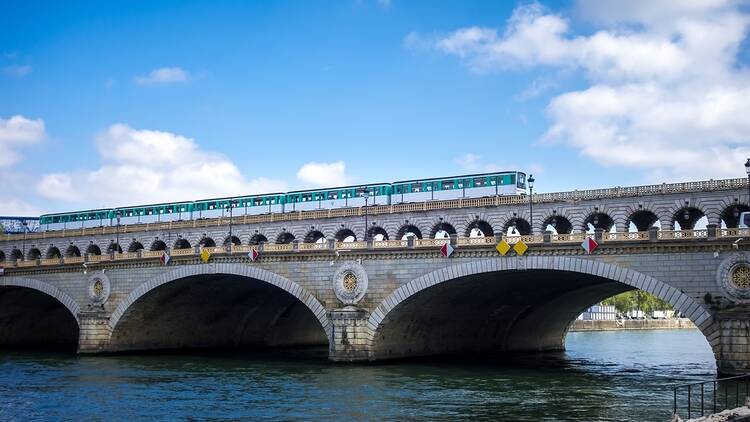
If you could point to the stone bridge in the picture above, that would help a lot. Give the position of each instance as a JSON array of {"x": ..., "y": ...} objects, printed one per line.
[{"x": 390, "y": 296}]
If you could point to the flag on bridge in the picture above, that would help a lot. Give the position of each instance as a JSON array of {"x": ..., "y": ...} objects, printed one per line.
[
  {"x": 253, "y": 254},
  {"x": 446, "y": 250},
  {"x": 164, "y": 259},
  {"x": 205, "y": 255},
  {"x": 589, "y": 244}
]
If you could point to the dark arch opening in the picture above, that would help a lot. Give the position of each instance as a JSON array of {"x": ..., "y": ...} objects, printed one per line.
[
  {"x": 182, "y": 244},
  {"x": 33, "y": 319},
  {"x": 312, "y": 236},
  {"x": 16, "y": 255},
  {"x": 285, "y": 237},
  {"x": 207, "y": 242},
  {"x": 377, "y": 233},
  {"x": 234, "y": 239},
  {"x": 442, "y": 230},
  {"x": 257, "y": 239},
  {"x": 53, "y": 252},
  {"x": 72, "y": 251},
  {"x": 731, "y": 215},
  {"x": 114, "y": 247},
  {"x": 408, "y": 230},
  {"x": 558, "y": 224},
  {"x": 686, "y": 217},
  {"x": 93, "y": 250},
  {"x": 2, "y": 256},
  {"x": 158, "y": 245},
  {"x": 518, "y": 226},
  {"x": 479, "y": 228},
  {"x": 598, "y": 220},
  {"x": 345, "y": 235},
  {"x": 218, "y": 311},
  {"x": 135, "y": 246},
  {"x": 34, "y": 253},
  {"x": 643, "y": 220},
  {"x": 528, "y": 311}
]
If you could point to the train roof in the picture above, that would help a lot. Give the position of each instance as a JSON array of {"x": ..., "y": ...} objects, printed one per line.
[{"x": 495, "y": 173}]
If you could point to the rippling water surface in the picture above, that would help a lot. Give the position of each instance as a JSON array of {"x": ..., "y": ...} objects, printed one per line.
[{"x": 621, "y": 375}]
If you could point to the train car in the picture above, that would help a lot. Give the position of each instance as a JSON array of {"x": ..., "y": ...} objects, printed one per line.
[
  {"x": 154, "y": 213},
  {"x": 78, "y": 219},
  {"x": 467, "y": 186},
  {"x": 347, "y": 196}
]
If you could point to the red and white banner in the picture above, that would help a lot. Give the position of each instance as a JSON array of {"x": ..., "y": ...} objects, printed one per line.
[
  {"x": 165, "y": 258},
  {"x": 253, "y": 255},
  {"x": 446, "y": 250},
  {"x": 589, "y": 244}
]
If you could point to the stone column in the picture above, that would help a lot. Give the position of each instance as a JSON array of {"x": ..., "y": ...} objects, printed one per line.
[
  {"x": 711, "y": 230},
  {"x": 732, "y": 346},
  {"x": 94, "y": 331},
  {"x": 350, "y": 337}
]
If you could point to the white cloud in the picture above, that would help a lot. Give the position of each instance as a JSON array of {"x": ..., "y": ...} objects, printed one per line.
[
  {"x": 146, "y": 166},
  {"x": 474, "y": 163},
  {"x": 667, "y": 93},
  {"x": 162, "y": 76},
  {"x": 324, "y": 174},
  {"x": 15, "y": 132},
  {"x": 17, "y": 71}
]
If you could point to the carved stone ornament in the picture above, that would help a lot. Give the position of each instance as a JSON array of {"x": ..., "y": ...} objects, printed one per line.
[
  {"x": 99, "y": 288},
  {"x": 733, "y": 277},
  {"x": 350, "y": 283}
]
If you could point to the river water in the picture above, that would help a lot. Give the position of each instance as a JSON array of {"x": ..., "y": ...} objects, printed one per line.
[{"x": 618, "y": 375}]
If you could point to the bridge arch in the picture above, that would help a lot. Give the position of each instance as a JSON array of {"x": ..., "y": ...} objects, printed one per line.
[
  {"x": 206, "y": 242},
  {"x": 37, "y": 314},
  {"x": 16, "y": 255},
  {"x": 257, "y": 239},
  {"x": 93, "y": 249},
  {"x": 135, "y": 246},
  {"x": 442, "y": 230},
  {"x": 377, "y": 233},
  {"x": 686, "y": 217},
  {"x": 344, "y": 234},
  {"x": 53, "y": 252},
  {"x": 598, "y": 220},
  {"x": 72, "y": 251},
  {"x": 233, "y": 239},
  {"x": 181, "y": 243},
  {"x": 643, "y": 219},
  {"x": 34, "y": 253},
  {"x": 519, "y": 224},
  {"x": 399, "y": 329},
  {"x": 730, "y": 215},
  {"x": 240, "y": 275},
  {"x": 313, "y": 236},
  {"x": 2, "y": 256},
  {"x": 559, "y": 223},
  {"x": 407, "y": 229},
  {"x": 479, "y": 228},
  {"x": 284, "y": 237}
]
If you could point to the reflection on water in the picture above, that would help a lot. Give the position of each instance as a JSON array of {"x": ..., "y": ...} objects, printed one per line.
[{"x": 603, "y": 376}]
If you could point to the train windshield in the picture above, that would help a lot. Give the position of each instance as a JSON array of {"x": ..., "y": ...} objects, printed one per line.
[{"x": 521, "y": 180}]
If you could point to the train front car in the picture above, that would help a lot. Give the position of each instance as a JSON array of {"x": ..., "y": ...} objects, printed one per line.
[
  {"x": 342, "y": 197},
  {"x": 466, "y": 186},
  {"x": 77, "y": 219}
]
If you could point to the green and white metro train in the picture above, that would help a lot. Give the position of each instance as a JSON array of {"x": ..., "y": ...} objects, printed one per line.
[{"x": 439, "y": 188}]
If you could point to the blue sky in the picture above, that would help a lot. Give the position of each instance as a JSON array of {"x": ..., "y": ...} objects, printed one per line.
[{"x": 112, "y": 103}]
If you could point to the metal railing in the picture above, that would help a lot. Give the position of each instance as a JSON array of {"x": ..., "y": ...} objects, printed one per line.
[{"x": 711, "y": 396}]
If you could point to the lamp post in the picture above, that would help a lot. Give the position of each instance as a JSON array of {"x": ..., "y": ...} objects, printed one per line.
[
  {"x": 25, "y": 225},
  {"x": 230, "y": 207},
  {"x": 367, "y": 196},
  {"x": 747, "y": 170},
  {"x": 531, "y": 202},
  {"x": 117, "y": 233}
]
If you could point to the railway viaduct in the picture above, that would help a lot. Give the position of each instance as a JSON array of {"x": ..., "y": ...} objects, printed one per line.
[{"x": 322, "y": 278}]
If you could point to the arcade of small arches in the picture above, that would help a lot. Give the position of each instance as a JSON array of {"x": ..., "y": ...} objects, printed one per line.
[{"x": 639, "y": 219}]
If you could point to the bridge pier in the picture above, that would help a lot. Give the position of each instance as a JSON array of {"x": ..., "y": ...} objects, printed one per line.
[
  {"x": 94, "y": 332},
  {"x": 350, "y": 336},
  {"x": 733, "y": 338}
]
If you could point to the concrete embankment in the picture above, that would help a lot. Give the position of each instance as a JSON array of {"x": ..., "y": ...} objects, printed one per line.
[{"x": 631, "y": 324}]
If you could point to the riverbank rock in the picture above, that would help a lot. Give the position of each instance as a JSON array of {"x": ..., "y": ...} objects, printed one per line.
[{"x": 740, "y": 414}]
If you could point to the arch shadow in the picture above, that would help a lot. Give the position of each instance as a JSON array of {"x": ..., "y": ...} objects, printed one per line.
[
  {"x": 243, "y": 284},
  {"x": 414, "y": 321}
]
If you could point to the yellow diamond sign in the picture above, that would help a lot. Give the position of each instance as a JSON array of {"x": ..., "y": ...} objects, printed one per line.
[
  {"x": 205, "y": 254},
  {"x": 503, "y": 247},
  {"x": 520, "y": 247}
]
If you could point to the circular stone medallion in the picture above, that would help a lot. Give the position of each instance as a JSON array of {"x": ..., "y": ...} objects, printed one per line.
[
  {"x": 733, "y": 277},
  {"x": 99, "y": 288},
  {"x": 350, "y": 282}
]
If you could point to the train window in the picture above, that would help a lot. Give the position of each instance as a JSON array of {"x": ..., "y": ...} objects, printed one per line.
[{"x": 447, "y": 184}]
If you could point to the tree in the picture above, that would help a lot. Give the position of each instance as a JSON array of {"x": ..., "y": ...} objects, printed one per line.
[{"x": 637, "y": 300}]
